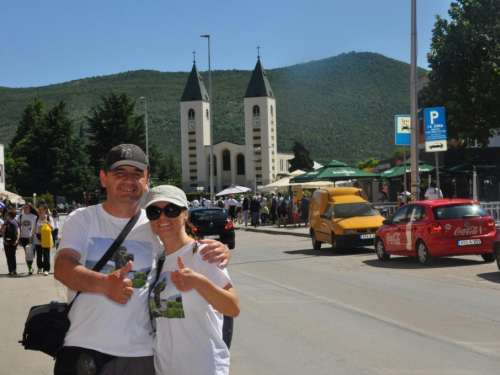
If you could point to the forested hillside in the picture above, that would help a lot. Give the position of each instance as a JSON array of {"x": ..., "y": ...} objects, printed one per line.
[{"x": 341, "y": 108}]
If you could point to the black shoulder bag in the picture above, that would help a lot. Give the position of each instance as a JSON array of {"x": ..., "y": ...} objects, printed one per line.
[{"x": 47, "y": 325}]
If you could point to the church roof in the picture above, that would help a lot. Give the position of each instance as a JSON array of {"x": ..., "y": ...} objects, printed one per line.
[
  {"x": 195, "y": 89},
  {"x": 259, "y": 84}
]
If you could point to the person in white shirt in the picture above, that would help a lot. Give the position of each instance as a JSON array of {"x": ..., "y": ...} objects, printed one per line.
[
  {"x": 190, "y": 296},
  {"x": 433, "y": 192},
  {"x": 232, "y": 208},
  {"x": 226, "y": 205},
  {"x": 196, "y": 203}
]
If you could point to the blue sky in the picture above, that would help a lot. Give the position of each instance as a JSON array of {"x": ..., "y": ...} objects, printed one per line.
[{"x": 54, "y": 41}]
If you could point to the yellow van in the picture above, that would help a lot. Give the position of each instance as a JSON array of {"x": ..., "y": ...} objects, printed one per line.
[{"x": 342, "y": 217}]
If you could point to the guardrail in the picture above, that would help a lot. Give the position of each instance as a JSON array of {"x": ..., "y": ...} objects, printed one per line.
[{"x": 386, "y": 209}]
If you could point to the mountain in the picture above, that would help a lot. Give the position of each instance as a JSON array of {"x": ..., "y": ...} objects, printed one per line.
[{"x": 341, "y": 107}]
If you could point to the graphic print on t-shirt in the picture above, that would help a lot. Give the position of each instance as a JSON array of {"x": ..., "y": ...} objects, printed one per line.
[
  {"x": 140, "y": 253},
  {"x": 165, "y": 301}
]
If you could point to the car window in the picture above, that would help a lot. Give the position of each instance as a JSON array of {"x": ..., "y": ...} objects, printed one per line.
[
  {"x": 207, "y": 215},
  {"x": 415, "y": 213},
  {"x": 400, "y": 215},
  {"x": 345, "y": 210},
  {"x": 328, "y": 211},
  {"x": 459, "y": 211}
]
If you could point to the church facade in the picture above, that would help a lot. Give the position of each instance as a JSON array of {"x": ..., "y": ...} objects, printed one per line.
[{"x": 253, "y": 164}]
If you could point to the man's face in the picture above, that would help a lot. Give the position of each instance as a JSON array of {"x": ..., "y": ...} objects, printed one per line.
[{"x": 125, "y": 184}]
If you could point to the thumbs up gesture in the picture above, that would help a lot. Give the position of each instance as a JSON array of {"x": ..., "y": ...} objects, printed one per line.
[
  {"x": 184, "y": 278},
  {"x": 118, "y": 288}
]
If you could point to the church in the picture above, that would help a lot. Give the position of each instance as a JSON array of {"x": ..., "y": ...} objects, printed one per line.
[{"x": 253, "y": 164}]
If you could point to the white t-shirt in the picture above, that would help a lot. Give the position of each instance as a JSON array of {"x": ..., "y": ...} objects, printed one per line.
[
  {"x": 263, "y": 201},
  {"x": 226, "y": 204},
  {"x": 433, "y": 193},
  {"x": 26, "y": 222},
  {"x": 188, "y": 336},
  {"x": 56, "y": 222},
  {"x": 231, "y": 201},
  {"x": 196, "y": 203},
  {"x": 97, "y": 322}
]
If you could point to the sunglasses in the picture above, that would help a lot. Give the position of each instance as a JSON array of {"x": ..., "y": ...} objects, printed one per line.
[{"x": 170, "y": 210}]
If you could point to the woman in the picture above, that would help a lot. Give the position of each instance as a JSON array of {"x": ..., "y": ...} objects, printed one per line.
[
  {"x": 55, "y": 218},
  {"x": 42, "y": 253},
  {"x": 190, "y": 296},
  {"x": 11, "y": 234},
  {"x": 26, "y": 221},
  {"x": 433, "y": 192}
]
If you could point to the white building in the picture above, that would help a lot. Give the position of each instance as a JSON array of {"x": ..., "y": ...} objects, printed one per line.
[{"x": 255, "y": 163}]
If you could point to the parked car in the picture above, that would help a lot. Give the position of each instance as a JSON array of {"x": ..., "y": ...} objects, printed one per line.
[
  {"x": 342, "y": 217},
  {"x": 437, "y": 228},
  {"x": 212, "y": 223}
]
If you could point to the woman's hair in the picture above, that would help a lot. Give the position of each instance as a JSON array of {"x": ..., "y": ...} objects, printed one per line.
[
  {"x": 44, "y": 206},
  {"x": 33, "y": 210},
  {"x": 190, "y": 233},
  {"x": 55, "y": 214},
  {"x": 433, "y": 184},
  {"x": 12, "y": 214}
]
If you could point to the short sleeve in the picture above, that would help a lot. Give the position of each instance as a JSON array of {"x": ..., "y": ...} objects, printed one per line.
[
  {"x": 219, "y": 277},
  {"x": 74, "y": 235}
]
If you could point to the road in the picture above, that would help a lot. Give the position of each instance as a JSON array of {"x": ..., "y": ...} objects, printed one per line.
[{"x": 312, "y": 312}]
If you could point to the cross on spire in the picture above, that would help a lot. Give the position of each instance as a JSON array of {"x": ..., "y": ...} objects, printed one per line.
[
  {"x": 194, "y": 57},
  {"x": 258, "y": 52}
]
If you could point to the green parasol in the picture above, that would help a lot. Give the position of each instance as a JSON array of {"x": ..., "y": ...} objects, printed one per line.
[{"x": 333, "y": 171}]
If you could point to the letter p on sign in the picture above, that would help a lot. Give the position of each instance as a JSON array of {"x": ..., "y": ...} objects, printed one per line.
[{"x": 434, "y": 115}]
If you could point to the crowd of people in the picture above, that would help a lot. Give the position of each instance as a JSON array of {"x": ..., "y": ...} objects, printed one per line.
[
  {"x": 259, "y": 210},
  {"x": 22, "y": 225}
]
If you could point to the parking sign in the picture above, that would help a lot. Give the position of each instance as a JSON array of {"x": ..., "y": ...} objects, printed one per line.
[{"x": 435, "y": 129}]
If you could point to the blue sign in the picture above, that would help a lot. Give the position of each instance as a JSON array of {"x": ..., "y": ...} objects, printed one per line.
[
  {"x": 403, "y": 130},
  {"x": 435, "y": 129}
]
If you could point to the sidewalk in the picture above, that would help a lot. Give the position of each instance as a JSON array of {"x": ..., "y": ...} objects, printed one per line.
[
  {"x": 18, "y": 294},
  {"x": 289, "y": 230}
]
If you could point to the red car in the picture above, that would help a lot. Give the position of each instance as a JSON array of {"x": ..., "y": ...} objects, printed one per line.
[{"x": 437, "y": 228}]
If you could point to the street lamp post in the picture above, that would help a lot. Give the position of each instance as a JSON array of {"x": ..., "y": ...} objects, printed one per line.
[
  {"x": 34, "y": 199},
  {"x": 146, "y": 118},
  {"x": 212, "y": 193}
]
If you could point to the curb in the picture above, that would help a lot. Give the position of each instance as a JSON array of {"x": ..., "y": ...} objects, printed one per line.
[{"x": 270, "y": 231}]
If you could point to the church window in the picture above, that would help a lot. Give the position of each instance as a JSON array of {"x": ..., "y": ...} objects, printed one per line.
[
  {"x": 192, "y": 163},
  {"x": 240, "y": 164},
  {"x": 256, "y": 137},
  {"x": 207, "y": 113},
  {"x": 272, "y": 137},
  {"x": 192, "y": 155},
  {"x": 226, "y": 160},
  {"x": 192, "y": 148},
  {"x": 192, "y": 141},
  {"x": 191, "y": 114},
  {"x": 272, "y": 114},
  {"x": 256, "y": 110}
]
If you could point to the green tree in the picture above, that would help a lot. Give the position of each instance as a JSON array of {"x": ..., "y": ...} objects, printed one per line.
[
  {"x": 113, "y": 123},
  {"x": 465, "y": 75},
  {"x": 302, "y": 159},
  {"x": 369, "y": 163}
]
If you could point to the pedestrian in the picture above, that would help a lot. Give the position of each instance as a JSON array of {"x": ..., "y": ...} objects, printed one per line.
[
  {"x": 255, "y": 211},
  {"x": 188, "y": 337},
  {"x": 401, "y": 196},
  {"x": 232, "y": 208},
  {"x": 26, "y": 221},
  {"x": 433, "y": 192},
  {"x": 226, "y": 205},
  {"x": 110, "y": 320},
  {"x": 11, "y": 235},
  {"x": 245, "y": 205},
  {"x": 274, "y": 206},
  {"x": 281, "y": 210},
  {"x": 304, "y": 210},
  {"x": 55, "y": 232},
  {"x": 196, "y": 203},
  {"x": 264, "y": 214},
  {"x": 296, "y": 215},
  {"x": 239, "y": 210},
  {"x": 42, "y": 253}
]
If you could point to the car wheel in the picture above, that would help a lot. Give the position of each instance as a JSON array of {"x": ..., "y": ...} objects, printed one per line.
[
  {"x": 380, "y": 250},
  {"x": 335, "y": 244},
  {"x": 423, "y": 255},
  {"x": 316, "y": 244},
  {"x": 488, "y": 258},
  {"x": 497, "y": 254},
  {"x": 231, "y": 246}
]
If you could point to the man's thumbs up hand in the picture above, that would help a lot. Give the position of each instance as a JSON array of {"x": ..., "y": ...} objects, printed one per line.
[{"x": 118, "y": 287}]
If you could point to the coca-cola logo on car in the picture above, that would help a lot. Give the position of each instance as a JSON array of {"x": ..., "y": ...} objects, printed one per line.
[
  {"x": 393, "y": 239},
  {"x": 470, "y": 231}
]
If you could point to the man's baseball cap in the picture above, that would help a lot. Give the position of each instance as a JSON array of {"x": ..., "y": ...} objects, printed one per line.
[
  {"x": 167, "y": 193},
  {"x": 126, "y": 154}
]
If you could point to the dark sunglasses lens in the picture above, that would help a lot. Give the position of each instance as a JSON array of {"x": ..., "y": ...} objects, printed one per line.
[
  {"x": 153, "y": 212},
  {"x": 171, "y": 210}
]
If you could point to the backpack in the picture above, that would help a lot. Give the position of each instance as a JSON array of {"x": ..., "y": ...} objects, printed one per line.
[
  {"x": 220, "y": 204},
  {"x": 283, "y": 205},
  {"x": 10, "y": 234}
]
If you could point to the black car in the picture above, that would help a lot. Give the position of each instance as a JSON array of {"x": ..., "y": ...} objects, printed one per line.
[{"x": 212, "y": 223}]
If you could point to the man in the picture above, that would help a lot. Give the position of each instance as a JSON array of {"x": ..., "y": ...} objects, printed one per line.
[
  {"x": 274, "y": 207},
  {"x": 111, "y": 316}
]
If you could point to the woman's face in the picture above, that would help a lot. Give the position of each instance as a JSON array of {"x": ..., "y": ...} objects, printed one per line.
[
  {"x": 168, "y": 226},
  {"x": 41, "y": 210},
  {"x": 26, "y": 209}
]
